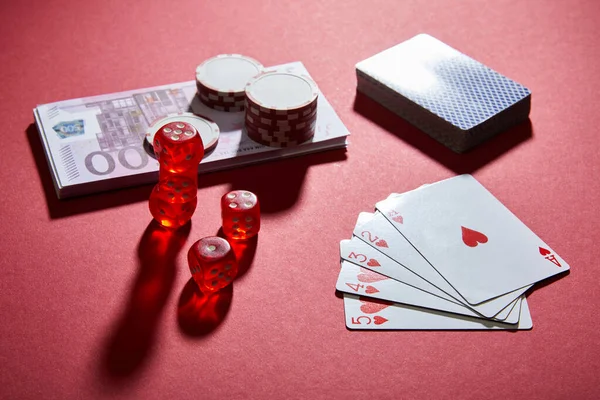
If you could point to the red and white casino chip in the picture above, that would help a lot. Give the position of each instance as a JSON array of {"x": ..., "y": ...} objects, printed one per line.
[
  {"x": 226, "y": 75},
  {"x": 292, "y": 135},
  {"x": 282, "y": 126},
  {"x": 279, "y": 124},
  {"x": 224, "y": 100},
  {"x": 280, "y": 120},
  {"x": 222, "y": 103},
  {"x": 275, "y": 117},
  {"x": 281, "y": 108},
  {"x": 226, "y": 108},
  {"x": 280, "y": 140},
  {"x": 271, "y": 137},
  {"x": 281, "y": 94},
  {"x": 274, "y": 113},
  {"x": 209, "y": 131}
]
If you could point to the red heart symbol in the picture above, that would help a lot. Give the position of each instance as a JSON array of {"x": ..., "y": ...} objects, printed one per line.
[
  {"x": 379, "y": 320},
  {"x": 544, "y": 251},
  {"x": 472, "y": 238},
  {"x": 370, "y": 276},
  {"x": 373, "y": 306},
  {"x": 370, "y": 290},
  {"x": 373, "y": 263},
  {"x": 381, "y": 243},
  {"x": 398, "y": 219}
]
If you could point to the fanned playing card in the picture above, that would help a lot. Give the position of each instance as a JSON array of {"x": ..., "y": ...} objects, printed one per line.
[
  {"x": 444, "y": 256},
  {"x": 381, "y": 235},
  {"x": 366, "y": 314},
  {"x": 481, "y": 249},
  {"x": 354, "y": 279}
]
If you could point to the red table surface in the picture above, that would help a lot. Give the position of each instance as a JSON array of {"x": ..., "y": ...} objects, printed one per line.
[{"x": 92, "y": 307}]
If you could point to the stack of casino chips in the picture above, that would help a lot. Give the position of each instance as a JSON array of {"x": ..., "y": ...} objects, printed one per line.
[
  {"x": 221, "y": 81},
  {"x": 281, "y": 108}
]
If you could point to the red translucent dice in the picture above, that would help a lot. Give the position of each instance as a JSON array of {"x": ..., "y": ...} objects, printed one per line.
[
  {"x": 240, "y": 212},
  {"x": 178, "y": 147},
  {"x": 179, "y": 150},
  {"x": 169, "y": 214},
  {"x": 212, "y": 263}
]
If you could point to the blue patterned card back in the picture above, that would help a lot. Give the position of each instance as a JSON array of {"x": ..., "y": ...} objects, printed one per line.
[{"x": 447, "y": 83}]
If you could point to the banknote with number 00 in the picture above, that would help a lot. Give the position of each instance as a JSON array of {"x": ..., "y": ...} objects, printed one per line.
[{"x": 96, "y": 143}]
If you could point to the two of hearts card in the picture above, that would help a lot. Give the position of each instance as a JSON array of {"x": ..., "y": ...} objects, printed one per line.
[{"x": 445, "y": 256}]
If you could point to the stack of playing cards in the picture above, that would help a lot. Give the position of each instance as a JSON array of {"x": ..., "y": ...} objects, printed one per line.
[
  {"x": 444, "y": 256},
  {"x": 453, "y": 98}
]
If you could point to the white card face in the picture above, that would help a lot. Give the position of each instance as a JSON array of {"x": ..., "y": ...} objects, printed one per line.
[
  {"x": 354, "y": 279},
  {"x": 470, "y": 238},
  {"x": 361, "y": 313},
  {"x": 361, "y": 254},
  {"x": 382, "y": 236}
]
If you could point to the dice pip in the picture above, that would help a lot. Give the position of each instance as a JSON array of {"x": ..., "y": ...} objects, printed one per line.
[
  {"x": 212, "y": 263},
  {"x": 240, "y": 212}
]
